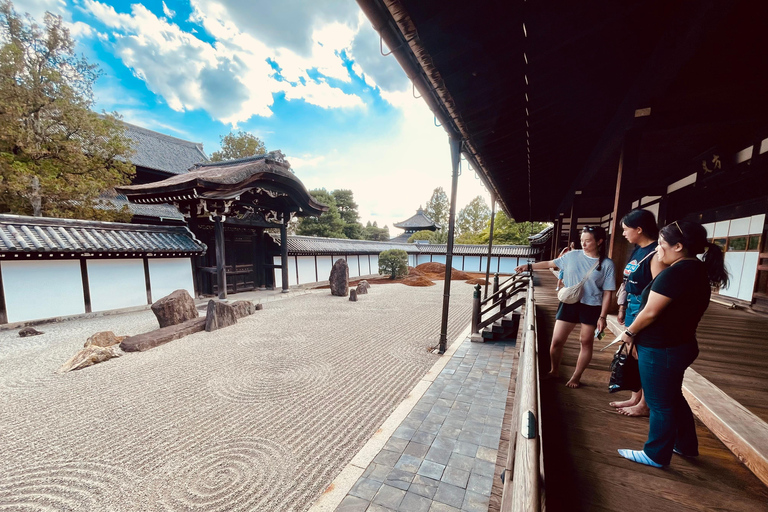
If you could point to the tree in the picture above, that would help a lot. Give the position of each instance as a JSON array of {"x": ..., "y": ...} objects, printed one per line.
[
  {"x": 508, "y": 232},
  {"x": 438, "y": 208},
  {"x": 57, "y": 156},
  {"x": 238, "y": 144},
  {"x": 473, "y": 217},
  {"x": 374, "y": 232},
  {"x": 393, "y": 262},
  {"x": 424, "y": 234},
  {"x": 329, "y": 224},
  {"x": 348, "y": 211}
]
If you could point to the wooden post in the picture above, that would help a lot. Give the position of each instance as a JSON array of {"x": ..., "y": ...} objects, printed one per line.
[
  {"x": 221, "y": 270},
  {"x": 455, "y": 157},
  {"x": 476, "y": 308},
  {"x": 196, "y": 284},
  {"x": 86, "y": 285},
  {"x": 573, "y": 230},
  {"x": 284, "y": 250},
  {"x": 618, "y": 249},
  {"x": 490, "y": 244}
]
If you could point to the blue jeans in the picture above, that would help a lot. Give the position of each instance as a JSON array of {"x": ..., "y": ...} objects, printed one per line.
[
  {"x": 633, "y": 308},
  {"x": 671, "y": 424}
]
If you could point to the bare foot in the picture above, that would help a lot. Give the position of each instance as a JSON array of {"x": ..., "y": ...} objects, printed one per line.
[
  {"x": 635, "y": 411},
  {"x": 573, "y": 383},
  {"x": 550, "y": 376},
  {"x": 625, "y": 403}
]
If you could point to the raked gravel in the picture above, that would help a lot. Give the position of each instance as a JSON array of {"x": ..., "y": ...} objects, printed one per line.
[{"x": 258, "y": 416}]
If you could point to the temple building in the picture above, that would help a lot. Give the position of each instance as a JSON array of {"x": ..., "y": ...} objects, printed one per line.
[{"x": 419, "y": 222}]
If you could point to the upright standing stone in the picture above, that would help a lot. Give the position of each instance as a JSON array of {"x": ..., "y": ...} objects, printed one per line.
[
  {"x": 353, "y": 295},
  {"x": 339, "y": 278},
  {"x": 176, "y": 308},
  {"x": 219, "y": 315},
  {"x": 362, "y": 287}
]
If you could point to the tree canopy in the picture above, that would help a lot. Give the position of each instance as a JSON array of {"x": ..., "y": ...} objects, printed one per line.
[
  {"x": 329, "y": 224},
  {"x": 439, "y": 208},
  {"x": 238, "y": 144},
  {"x": 57, "y": 156},
  {"x": 374, "y": 232},
  {"x": 347, "y": 207},
  {"x": 473, "y": 217},
  {"x": 508, "y": 232}
]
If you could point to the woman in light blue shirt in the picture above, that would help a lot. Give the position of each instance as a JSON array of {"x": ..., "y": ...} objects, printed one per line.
[{"x": 591, "y": 310}]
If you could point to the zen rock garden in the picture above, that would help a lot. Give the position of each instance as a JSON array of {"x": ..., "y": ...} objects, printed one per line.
[
  {"x": 339, "y": 282},
  {"x": 177, "y": 316}
]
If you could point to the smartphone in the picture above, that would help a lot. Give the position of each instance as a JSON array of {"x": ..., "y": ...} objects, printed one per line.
[{"x": 599, "y": 334}]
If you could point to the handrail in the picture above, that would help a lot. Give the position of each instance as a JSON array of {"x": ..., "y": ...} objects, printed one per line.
[
  {"x": 524, "y": 468},
  {"x": 509, "y": 282},
  {"x": 503, "y": 298}
]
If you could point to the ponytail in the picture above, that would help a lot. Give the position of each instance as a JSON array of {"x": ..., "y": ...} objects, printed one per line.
[{"x": 714, "y": 261}]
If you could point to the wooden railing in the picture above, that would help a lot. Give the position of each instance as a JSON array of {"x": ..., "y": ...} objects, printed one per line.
[
  {"x": 524, "y": 471},
  {"x": 497, "y": 305}
]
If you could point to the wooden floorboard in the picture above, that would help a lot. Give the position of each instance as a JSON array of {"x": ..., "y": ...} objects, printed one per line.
[{"x": 581, "y": 434}]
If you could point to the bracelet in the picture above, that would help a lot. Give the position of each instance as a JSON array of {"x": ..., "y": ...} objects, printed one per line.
[
  {"x": 602, "y": 317},
  {"x": 629, "y": 333}
]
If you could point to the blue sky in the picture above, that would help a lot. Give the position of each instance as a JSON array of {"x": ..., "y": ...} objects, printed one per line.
[{"x": 306, "y": 77}]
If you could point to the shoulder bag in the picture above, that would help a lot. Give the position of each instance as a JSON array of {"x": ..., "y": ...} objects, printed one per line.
[
  {"x": 625, "y": 374},
  {"x": 573, "y": 294}
]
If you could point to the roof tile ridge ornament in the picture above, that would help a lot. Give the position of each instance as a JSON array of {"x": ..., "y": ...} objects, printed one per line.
[{"x": 275, "y": 156}]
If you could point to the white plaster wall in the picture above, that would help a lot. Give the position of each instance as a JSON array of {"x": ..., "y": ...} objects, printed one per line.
[
  {"x": 278, "y": 273},
  {"x": 457, "y": 262},
  {"x": 374, "y": 263},
  {"x": 365, "y": 267},
  {"x": 756, "y": 224},
  {"x": 438, "y": 258},
  {"x": 352, "y": 262},
  {"x": 42, "y": 289},
  {"x": 117, "y": 284},
  {"x": 748, "y": 273},
  {"x": 422, "y": 258},
  {"x": 324, "y": 265},
  {"x": 307, "y": 269},
  {"x": 413, "y": 260},
  {"x": 739, "y": 227},
  {"x": 167, "y": 275},
  {"x": 472, "y": 263},
  {"x": 710, "y": 229},
  {"x": 734, "y": 263},
  {"x": 507, "y": 264},
  {"x": 721, "y": 228}
]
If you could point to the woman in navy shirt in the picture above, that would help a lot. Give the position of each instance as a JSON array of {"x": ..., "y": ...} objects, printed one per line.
[
  {"x": 639, "y": 228},
  {"x": 664, "y": 333}
]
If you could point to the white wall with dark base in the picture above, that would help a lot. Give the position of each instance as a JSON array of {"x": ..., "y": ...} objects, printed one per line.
[
  {"x": 116, "y": 284},
  {"x": 42, "y": 289},
  {"x": 170, "y": 274}
]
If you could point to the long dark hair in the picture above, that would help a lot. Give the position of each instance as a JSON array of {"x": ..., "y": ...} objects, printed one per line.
[
  {"x": 693, "y": 237},
  {"x": 644, "y": 220},
  {"x": 599, "y": 234}
]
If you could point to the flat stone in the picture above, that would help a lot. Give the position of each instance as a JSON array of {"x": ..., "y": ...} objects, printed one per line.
[
  {"x": 362, "y": 287},
  {"x": 219, "y": 315},
  {"x": 29, "y": 331},
  {"x": 353, "y": 504},
  {"x": 457, "y": 477},
  {"x": 366, "y": 489},
  {"x": 244, "y": 308},
  {"x": 449, "y": 494},
  {"x": 103, "y": 339},
  {"x": 152, "y": 339},
  {"x": 424, "y": 486},
  {"x": 174, "y": 309},
  {"x": 90, "y": 356},
  {"x": 389, "y": 497},
  {"x": 414, "y": 503},
  {"x": 431, "y": 469}
]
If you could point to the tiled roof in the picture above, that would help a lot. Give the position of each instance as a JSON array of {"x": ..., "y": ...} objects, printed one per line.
[
  {"x": 542, "y": 236},
  {"x": 160, "y": 210},
  {"x": 163, "y": 152},
  {"x": 19, "y": 234},
  {"x": 418, "y": 221},
  {"x": 304, "y": 245}
]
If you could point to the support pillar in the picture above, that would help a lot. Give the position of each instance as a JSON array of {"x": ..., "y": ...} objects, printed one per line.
[
  {"x": 619, "y": 248},
  {"x": 490, "y": 244},
  {"x": 455, "y": 156},
  {"x": 258, "y": 260},
  {"x": 221, "y": 269},
  {"x": 573, "y": 231},
  {"x": 555, "y": 245},
  {"x": 284, "y": 250}
]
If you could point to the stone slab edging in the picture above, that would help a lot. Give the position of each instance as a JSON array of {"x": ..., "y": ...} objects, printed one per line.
[
  {"x": 740, "y": 430},
  {"x": 343, "y": 483}
]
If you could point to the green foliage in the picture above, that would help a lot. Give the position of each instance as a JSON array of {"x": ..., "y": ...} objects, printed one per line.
[
  {"x": 393, "y": 262},
  {"x": 473, "y": 217},
  {"x": 424, "y": 234},
  {"x": 347, "y": 207},
  {"x": 327, "y": 225},
  {"x": 238, "y": 144},
  {"x": 439, "y": 208},
  {"x": 374, "y": 232},
  {"x": 56, "y": 155},
  {"x": 508, "y": 232}
]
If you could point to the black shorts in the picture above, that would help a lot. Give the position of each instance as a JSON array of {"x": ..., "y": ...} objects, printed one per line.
[{"x": 578, "y": 313}]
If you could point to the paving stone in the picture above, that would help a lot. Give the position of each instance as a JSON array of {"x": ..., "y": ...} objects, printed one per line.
[
  {"x": 378, "y": 508},
  {"x": 365, "y": 488},
  {"x": 408, "y": 463},
  {"x": 457, "y": 477},
  {"x": 430, "y": 428},
  {"x": 424, "y": 486},
  {"x": 449, "y": 431},
  {"x": 465, "y": 448},
  {"x": 442, "y": 507},
  {"x": 399, "y": 479},
  {"x": 396, "y": 444},
  {"x": 484, "y": 468},
  {"x": 439, "y": 455},
  {"x": 472, "y": 425},
  {"x": 449, "y": 494},
  {"x": 480, "y": 484},
  {"x": 492, "y": 431},
  {"x": 474, "y": 502},
  {"x": 404, "y": 433},
  {"x": 489, "y": 441},
  {"x": 418, "y": 415},
  {"x": 411, "y": 423},
  {"x": 431, "y": 469},
  {"x": 353, "y": 504},
  {"x": 470, "y": 437},
  {"x": 415, "y": 503},
  {"x": 387, "y": 458},
  {"x": 423, "y": 437},
  {"x": 389, "y": 497},
  {"x": 460, "y": 461},
  {"x": 443, "y": 442},
  {"x": 485, "y": 453},
  {"x": 416, "y": 449}
]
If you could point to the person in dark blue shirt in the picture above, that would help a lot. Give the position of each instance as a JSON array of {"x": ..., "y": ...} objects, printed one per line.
[{"x": 664, "y": 334}]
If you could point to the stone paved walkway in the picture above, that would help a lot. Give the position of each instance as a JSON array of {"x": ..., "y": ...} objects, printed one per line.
[{"x": 442, "y": 456}]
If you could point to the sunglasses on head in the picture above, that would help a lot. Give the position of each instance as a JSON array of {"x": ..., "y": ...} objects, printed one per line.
[
  {"x": 678, "y": 227},
  {"x": 589, "y": 229}
]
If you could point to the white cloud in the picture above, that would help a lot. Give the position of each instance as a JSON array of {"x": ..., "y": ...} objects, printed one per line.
[
  {"x": 231, "y": 79},
  {"x": 168, "y": 12},
  {"x": 38, "y": 8}
]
